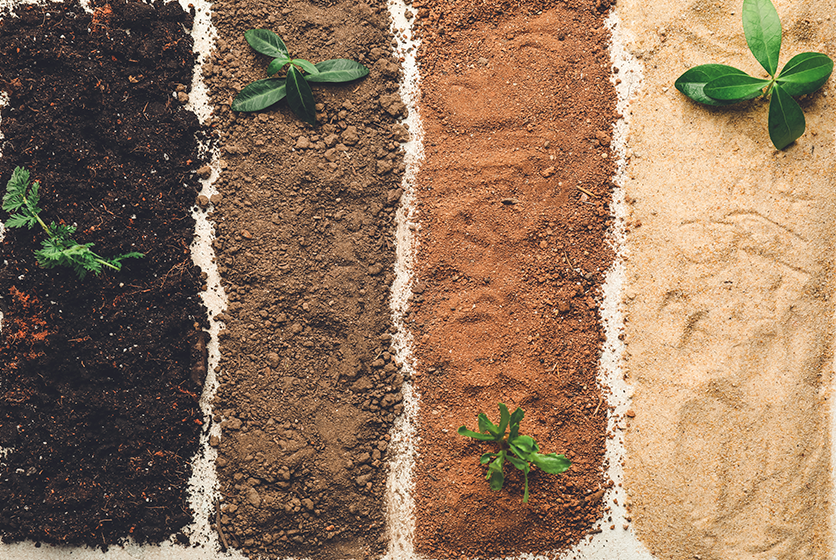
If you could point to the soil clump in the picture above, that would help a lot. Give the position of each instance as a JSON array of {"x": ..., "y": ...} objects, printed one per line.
[
  {"x": 305, "y": 244},
  {"x": 99, "y": 411}
]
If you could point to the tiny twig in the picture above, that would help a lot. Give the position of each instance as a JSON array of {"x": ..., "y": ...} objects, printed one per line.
[
  {"x": 568, "y": 261},
  {"x": 597, "y": 407},
  {"x": 224, "y": 546},
  {"x": 583, "y": 190}
]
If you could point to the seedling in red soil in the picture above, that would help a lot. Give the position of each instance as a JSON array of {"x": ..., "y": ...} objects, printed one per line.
[
  {"x": 59, "y": 249},
  {"x": 524, "y": 450},
  {"x": 718, "y": 84},
  {"x": 295, "y": 85}
]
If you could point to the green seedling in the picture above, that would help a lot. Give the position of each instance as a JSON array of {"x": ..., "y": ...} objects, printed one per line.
[
  {"x": 719, "y": 85},
  {"x": 523, "y": 449},
  {"x": 296, "y": 84},
  {"x": 59, "y": 249}
]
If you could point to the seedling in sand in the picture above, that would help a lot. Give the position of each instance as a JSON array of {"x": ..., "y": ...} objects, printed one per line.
[
  {"x": 718, "y": 84},
  {"x": 523, "y": 449},
  {"x": 59, "y": 249},
  {"x": 295, "y": 86}
]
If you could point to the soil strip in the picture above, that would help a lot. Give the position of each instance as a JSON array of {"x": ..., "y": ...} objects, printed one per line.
[
  {"x": 729, "y": 298},
  {"x": 513, "y": 201},
  {"x": 100, "y": 378}
]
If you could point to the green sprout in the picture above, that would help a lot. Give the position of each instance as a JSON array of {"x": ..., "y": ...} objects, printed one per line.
[
  {"x": 523, "y": 449},
  {"x": 295, "y": 86},
  {"x": 720, "y": 85},
  {"x": 59, "y": 249}
]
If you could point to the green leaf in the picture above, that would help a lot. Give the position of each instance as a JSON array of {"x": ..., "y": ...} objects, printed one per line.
[
  {"x": 503, "y": 419},
  {"x": 495, "y": 475},
  {"x": 486, "y": 426},
  {"x": 519, "y": 463},
  {"x": 523, "y": 446},
  {"x": 475, "y": 435},
  {"x": 259, "y": 95},
  {"x": 735, "y": 87},
  {"x": 486, "y": 458},
  {"x": 117, "y": 260},
  {"x": 762, "y": 28},
  {"x": 786, "y": 119},
  {"x": 266, "y": 42},
  {"x": 305, "y": 65},
  {"x": 277, "y": 64},
  {"x": 692, "y": 82},
  {"x": 551, "y": 463},
  {"x": 517, "y": 416},
  {"x": 338, "y": 70},
  {"x": 300, "y": 97},
  {"x": 16, "y": 190},
  {"x": 805, "y": 73}
]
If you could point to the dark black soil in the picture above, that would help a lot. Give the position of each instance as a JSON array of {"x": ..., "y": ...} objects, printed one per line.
[{"x": 98, "y": 401}]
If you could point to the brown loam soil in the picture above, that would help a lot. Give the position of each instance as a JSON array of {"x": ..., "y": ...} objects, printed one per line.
[
  {"x": 305, "y": 246},
  {"x": 513, "y": 199},
  {"x": 99, "y": 379}
]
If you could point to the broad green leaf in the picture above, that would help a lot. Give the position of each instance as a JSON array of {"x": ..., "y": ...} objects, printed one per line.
[
  {"x": 266, "y": 42},
  {"x": 486, "y": 458},
  {"x": 786, "y": 119},
  {"x": 338, "y": 70},
  {"x": 495, "y": 474},
  {"x": 300, "y": 97},
  {"x": 486, "y": 426},
  {"x": 475, "y": 435},
  {"x": 276, "y": 64},
  {"x": 692, "y": 82},
  {"x": 805, "y": 73},
  {"x": 305, "y": 65},
  {"x": 762, "y": 28},
  {"x": 735, "y": 87},
  {"x": 551, "y": 463},
  {"x": 503, "y": 419},
  {"x": 259, "y": 95},
  {"x": 517, "y": 416}
]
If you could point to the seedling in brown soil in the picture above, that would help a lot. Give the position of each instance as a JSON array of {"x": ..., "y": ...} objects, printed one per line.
[
  {"x": 295, "y": 85},
  {"x": 523, "y": 449},
  {"x": 59, "y": 249},
  {"x": 718, "y": 84}
]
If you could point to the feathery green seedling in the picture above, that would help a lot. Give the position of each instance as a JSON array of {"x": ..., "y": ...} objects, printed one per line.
[
  {"x": 295, "y": 86},
  {"x": 523, "y": 449},
  {"x": 718, "y": 84},
  {"x": 59, "y": 249}
]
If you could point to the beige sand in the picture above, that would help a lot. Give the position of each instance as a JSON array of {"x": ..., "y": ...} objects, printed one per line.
[{"x": 729, "y": 297}]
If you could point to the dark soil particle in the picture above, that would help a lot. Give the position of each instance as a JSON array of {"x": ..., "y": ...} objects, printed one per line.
[
  {"x": 98, "y": 414},
  {"x": 306, "y": 249}
]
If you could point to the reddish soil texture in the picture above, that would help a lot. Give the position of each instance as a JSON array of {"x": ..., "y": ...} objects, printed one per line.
[
  {"x": 305, "y": 222},
  {"x": 99, "y": 378},
  {"x": 513, "y": 204}
]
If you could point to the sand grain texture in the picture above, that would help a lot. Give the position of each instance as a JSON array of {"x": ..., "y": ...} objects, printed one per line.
[{"x": 729, "y": 315}]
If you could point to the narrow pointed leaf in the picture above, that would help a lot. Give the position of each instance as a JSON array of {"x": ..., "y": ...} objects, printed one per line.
[
  {"x": 551, "y": 463},
  {"x": 308, "y": 67},
  {"x": 692, "y": 82},
  {"x": 786, "y": 119},
  {"x": 338, "y": 70},
  {"x": 495, "y": 475},
  {"x": 517, "y": 416},
  {"x": 503, "y": 419},
  {"x": 805, "y": 73},
  {"x": 276, "y": 64},
  {"x": 762, "y": 28},
  {"x": 266, "y": 42},
  {"x": 260, "y": 95},
  {"x": 486, "y": 426},
  {"x": 475, "y": 435},
  {"x": 519, "y": 463},
  {"x": 735, "y": 87},
  {"x": 300, "y": 97}
]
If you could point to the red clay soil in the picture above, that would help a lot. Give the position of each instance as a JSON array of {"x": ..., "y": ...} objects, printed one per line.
[{"x": 514, "y": 209}]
